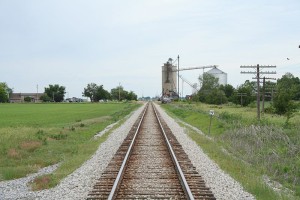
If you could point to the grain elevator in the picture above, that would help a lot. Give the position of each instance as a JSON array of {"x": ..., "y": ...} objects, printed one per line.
[{"x": 169, "y": 79}]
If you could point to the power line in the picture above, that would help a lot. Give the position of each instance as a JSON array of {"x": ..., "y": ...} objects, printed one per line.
[{"x": 258, "y": 72}]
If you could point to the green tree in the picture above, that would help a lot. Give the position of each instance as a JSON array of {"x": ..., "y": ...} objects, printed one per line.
[
  {"x": 287, "y": 89},
  {"x": 131, "y": 96},
  {"x": 245, "y": 93},
  {"x": 90, "y": 91},
  {"x": 228, "y": 90},
  {"x": 3, "y": 95},
  {"x": 119, "y": 93},
  {"x": 208, "y": 82},
  {"x": 96, "y": 92},
  {"x": 5, "y": 91},
  {"x": 27, "y": 99},
  {"x": 45, "y": 98},
  {"x": 210, "y": 91},
  {"x": 101, "y": 94},
  {"x": 56, "y": 92},
  {"x": 216, "y": 96}
]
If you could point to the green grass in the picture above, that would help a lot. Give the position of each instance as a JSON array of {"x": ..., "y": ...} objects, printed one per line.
[
  {"x": 33, "y": 136},
  {"x": 52, "y": 115},
  {"x": 196, "y": 115},
  {"x": 252, "y": 149}
]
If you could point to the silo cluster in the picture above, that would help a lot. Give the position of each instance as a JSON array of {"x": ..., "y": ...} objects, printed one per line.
[{"x": 170, "y": 78}]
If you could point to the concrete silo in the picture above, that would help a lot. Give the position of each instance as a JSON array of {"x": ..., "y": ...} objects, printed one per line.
[
  {"x": 169, "y": 79},
  {"x": 217, "y": 73}
]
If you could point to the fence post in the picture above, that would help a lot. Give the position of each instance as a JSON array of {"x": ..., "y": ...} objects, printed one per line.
[{"x": 211, "y": 113}]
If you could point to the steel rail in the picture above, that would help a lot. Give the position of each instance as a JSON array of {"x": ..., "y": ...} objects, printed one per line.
[
  {"x": 185, "y": 185},
  {"x": 123, "y": 166}
]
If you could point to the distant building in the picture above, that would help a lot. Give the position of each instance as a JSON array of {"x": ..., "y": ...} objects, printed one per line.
[
  {"x": 217, "y": 73},
  {"x": 74, "y": 99},
  {"x": 19, "y": 97}
]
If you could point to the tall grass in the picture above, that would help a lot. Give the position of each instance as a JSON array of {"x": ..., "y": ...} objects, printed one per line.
[{"x": 269, "y": 149}]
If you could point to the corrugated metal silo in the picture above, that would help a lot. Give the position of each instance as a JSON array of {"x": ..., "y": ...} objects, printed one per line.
[{"x": 222, "y": 76}]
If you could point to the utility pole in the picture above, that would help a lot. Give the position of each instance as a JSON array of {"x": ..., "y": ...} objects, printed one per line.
[
  {"x": 263, "y": 97},
  {"x": 181, "y": 88},
  {"x": 272, "y": 93},
  {"x": 178, "y": 77},
  {"x": 264, "y": 91},
  {"x": 258, "y": 73},
  {"x": 37, "y": 91},
  {"x": 242, "y": 95},
  {"x": 119, "y": 92}
]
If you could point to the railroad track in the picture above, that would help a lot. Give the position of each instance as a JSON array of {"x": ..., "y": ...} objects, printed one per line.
[{"x": 150, "y": 164}]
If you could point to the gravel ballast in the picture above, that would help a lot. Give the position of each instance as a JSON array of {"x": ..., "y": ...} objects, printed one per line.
[{"x": 77, "y": 184}]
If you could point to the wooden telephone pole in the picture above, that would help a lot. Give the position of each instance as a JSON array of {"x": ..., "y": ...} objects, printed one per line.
[
  {"x": 241, "y": 95},
  {"x": 257, "y": 71},
  {"x": 264, "y": 91},
  {"x": 178, "y": 77}
]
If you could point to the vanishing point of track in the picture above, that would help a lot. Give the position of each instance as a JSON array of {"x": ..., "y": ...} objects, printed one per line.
[{"x": 150, "y": 164}]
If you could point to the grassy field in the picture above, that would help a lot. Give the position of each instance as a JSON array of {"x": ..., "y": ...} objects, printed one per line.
[
  {"x": 33, "y": 136},
  {"x": 246, "y": 149}
]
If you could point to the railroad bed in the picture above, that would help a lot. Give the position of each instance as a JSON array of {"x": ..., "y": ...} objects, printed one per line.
[{"x": 150, "y": 171}]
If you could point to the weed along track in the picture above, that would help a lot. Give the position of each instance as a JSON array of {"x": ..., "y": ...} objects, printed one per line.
[{"x": 150, "y": 164}]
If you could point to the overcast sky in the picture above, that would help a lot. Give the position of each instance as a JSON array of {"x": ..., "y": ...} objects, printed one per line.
[{"x": 73, "y": 43}]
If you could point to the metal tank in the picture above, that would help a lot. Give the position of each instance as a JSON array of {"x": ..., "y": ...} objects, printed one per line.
[
  {"x": 169, "y": 79},
  {"x": 217, "y": 73}
]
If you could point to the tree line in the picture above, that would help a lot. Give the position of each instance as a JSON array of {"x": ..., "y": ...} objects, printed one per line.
[
  {"x": 284, "y": 94},
  {"x": 56, "y": 93},
  {"x": 97, "y": 92}
]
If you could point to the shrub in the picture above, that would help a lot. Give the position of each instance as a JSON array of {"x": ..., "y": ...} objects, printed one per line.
[
  {"x": 27, "y": 99},
  {"x": 270, "y": 110},
  {"x": 59, "y": 136},
  {"x": 252, "y": 105},
  {"x": 229, "y": 118}
]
